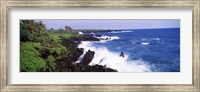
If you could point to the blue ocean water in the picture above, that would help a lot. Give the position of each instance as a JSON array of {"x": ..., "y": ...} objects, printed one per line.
[{"x": 158, "y": 48}]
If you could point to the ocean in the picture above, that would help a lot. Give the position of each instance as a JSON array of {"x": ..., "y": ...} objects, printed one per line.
[{"x": 145, "y": 50}]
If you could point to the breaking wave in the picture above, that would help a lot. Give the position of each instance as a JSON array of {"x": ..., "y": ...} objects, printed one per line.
[
  {"x": 112, "y": 59},
  {"x": 104, "y": 38}
]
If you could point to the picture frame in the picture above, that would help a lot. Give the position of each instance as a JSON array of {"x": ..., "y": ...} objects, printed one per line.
[{"x": 4, "y": 44}]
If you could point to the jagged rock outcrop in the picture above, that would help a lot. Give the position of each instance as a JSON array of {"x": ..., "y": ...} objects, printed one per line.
[
  {"x": 87, "y": 58},
  {"x": 67, "y": 64},
  {"x": 98, "y": 68},
  {"x": 97, "y": 35},
  {"x": 88, "y": 37}
]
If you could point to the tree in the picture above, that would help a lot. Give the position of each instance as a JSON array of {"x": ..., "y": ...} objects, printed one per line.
[
  {"x": 29, "y": 28},
  {"x": 51, "y": 29},
  {"x": 68, "y": 29},
  {"x": 32, "y": 26},
  {"x": 25, "y": 30},
  {"x": 61, "y": 30},
  {"x": 41, "y": 26}
]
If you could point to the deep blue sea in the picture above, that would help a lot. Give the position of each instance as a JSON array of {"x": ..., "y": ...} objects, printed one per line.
[{"x": 148, "y": 50}]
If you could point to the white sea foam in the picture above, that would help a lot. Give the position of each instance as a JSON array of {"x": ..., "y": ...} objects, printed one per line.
[
  {"x": 80, "y": 58},
  {"x": 145, "y": 43},
  {"x": 156, "y": 38},
  {"x": 112, "y": 59},
  {"x": 126, "y": 31},
  {"x": 115, "y": 32},
  {"x": 80, "y": 32},
  {"x": 104, "y": 38}
]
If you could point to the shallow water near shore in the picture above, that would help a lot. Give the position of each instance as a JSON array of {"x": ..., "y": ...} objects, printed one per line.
[{"x": 145, "y": 50}]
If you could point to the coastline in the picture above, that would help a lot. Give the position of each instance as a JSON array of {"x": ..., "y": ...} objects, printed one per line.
[
  {"x": 67, "y": 50},
  {"x": 69, "y": 64},
  {"x": 55, "y": 50}
]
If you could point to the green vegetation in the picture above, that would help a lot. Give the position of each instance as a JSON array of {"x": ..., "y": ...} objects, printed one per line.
[
  {"x": 30, "y": 59},
  {"x": 51, "y": 64},
  {"x": 39, "y": 47}
]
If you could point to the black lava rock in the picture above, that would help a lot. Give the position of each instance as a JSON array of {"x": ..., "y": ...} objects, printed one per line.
[
  {"x": 98, "y": 68},
  {"x": 87, "y": 58},
  {"x": 67, "y": 63},
  {"x": 97, "y": 35}
]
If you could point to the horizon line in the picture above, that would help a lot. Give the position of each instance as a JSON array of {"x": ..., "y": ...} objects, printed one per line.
[{"x": 128, "y": 29}]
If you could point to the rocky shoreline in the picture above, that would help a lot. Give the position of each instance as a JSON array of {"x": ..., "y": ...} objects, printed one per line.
[{"x": 68, "y": 63}]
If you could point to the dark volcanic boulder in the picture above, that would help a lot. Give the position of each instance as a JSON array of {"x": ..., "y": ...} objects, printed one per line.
[
  {"x": 75, "y": 41},
  {"x": 97, "y": 35},
  {"x": 74, "y": 54},
  {"x": 85, "y": 37},
  {"x": 98, "y": 68},
  {"x": 87, "y": 58},
  {"x": 88, "y": 37},
  {"x": 66, "y": 64}
]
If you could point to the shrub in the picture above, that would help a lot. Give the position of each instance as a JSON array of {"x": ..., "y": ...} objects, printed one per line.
[
  {"x": 51, "y": 63},
  {"x": 30, "y": 60},
  {"x": 61, "y": 49}
]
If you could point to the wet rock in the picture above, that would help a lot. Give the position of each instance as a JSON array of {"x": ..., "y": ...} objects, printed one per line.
[
  {"x": 75, "y": 41},
  {"x": 75, "y": 54},
  {"x": 97, "y": 35},
  {"x": 98, "y": 68},
  {"x": 86, "y": 37},
  {"x": 67, "y": 63},
  {"x": 87, "y": 58}
]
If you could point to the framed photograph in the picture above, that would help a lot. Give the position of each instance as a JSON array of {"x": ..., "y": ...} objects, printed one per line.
[{"x": 103, "y": 45}]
